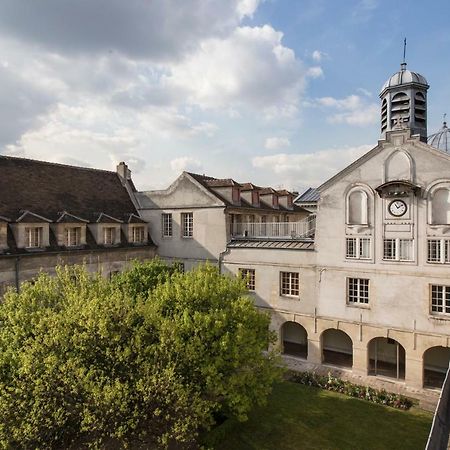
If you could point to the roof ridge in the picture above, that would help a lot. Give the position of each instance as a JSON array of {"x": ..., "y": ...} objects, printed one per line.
[{"x": 50, "y": 163}]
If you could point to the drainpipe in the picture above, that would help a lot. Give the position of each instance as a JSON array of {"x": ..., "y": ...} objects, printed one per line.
[{"x": 17, "y": 268}]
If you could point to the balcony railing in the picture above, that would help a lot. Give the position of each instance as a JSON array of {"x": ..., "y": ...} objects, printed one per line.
[{"x": 303, "y": 229}]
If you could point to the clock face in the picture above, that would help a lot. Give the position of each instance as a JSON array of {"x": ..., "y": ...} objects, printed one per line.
[{"x": 397, "y": 208}]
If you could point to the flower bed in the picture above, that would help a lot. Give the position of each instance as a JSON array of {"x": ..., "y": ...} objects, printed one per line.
[{"x": 332, "y": 383}]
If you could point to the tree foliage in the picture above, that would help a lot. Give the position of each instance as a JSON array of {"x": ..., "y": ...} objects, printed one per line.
[{"x": 143, "y": 360}]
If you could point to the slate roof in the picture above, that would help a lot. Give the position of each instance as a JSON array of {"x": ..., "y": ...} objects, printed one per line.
[
  {"x": 310, "y": 195},
  {"x": 209, "y": 182},
  {"x": 49, "y": 189}
]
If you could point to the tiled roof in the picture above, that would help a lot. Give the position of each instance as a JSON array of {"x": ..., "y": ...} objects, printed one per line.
[
  {"x": 48, "y": 189},
  {"x": 289, "y": 244},
  {"x": 310, "y": 195}
]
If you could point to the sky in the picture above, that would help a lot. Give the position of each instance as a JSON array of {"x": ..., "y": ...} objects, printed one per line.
[{"x": 276, "y": 92}]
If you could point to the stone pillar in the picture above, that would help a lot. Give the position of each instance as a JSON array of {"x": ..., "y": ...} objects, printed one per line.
[
  {"x": 360, "y": 363},
  {"x": 414, "y": 372},
  {"x": 314, "y": 351}
]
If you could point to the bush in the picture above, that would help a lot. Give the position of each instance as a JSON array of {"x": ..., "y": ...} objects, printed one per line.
[
  {"x": 145, "y": 359},
  {"x": 331, "y": 383}
]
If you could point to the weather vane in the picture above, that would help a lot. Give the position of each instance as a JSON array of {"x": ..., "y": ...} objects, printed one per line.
[{"x": 404, "y": 51}]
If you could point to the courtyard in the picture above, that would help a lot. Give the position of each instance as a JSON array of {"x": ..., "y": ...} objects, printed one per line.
[{"x": 302, "y": 417}]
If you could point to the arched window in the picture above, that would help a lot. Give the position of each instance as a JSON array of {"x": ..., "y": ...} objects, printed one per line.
[
  {"x": 337, "y": 348},
  {"x": 386, "y": 358},
  {"x": 399, "y": 109},
  {"x": 357, "y": 208},
  {"x": 440, "y": 206},
  {"x": 295, "y": 339},
  {"x": 384, "y": 115}
]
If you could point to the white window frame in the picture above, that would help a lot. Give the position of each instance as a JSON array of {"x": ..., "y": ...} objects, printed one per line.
[
  {"x": 398, "y": 254},
  {"x": 290, "y": 284},
  {"x": 358, "y": 291},
  {"x": 72, "y": 236},
  {"x": 34, "y": 236},
  {"x": 167, "y": 225},
  {"x": 250, "y": 276},
  {"x": 109, "y": 235},
  {"x": 357, "y": 245},
  {"x": 440, "y": 299},
  {"x": 137, "y": 234},
  {"x": 442, "y": 251},
  {"x": 187, "y": 225}
]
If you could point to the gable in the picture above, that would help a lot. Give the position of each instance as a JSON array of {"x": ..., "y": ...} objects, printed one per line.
[
  {"x": 185, "y": 192},
  {"x": 408, "y": 159}
]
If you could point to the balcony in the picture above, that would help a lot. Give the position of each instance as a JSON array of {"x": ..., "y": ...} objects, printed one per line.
[{"x": 301, "y": 230}]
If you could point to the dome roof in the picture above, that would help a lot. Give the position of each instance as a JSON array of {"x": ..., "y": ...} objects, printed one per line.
[
  {"x": 441, "y": 139},
  {"x": 404, "y": 76}
]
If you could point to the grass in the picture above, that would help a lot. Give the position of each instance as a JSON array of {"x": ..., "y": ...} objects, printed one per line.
[{"x": 302, "y": 417}]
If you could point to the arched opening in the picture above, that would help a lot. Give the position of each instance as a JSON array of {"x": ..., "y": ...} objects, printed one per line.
[
  {"x": 295, "y": 340},
  {"x": 398, "y": 167},
  {"x": 441, "y": 206},
  {"x": 337, "y": 348},
  {"x": 399, "y": 109},
  {"x": 435, "y": 365},
  {"x": 386, "y": 358},
  {"x": 357, "y": 208},
  {"x": 420, "y": 109},
  {"x": 384, "y": 115}
]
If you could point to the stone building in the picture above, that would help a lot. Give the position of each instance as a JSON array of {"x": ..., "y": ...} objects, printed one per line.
[
  {"x": 195, "y": 218},
  {"x": 52, "y": 214},
  {"x": 357, "y": 278}
]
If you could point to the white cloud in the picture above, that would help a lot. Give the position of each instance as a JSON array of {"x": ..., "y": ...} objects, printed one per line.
[
  {"x": 247, "y": 7},
  {"x": 351, "y": 110},
  {"x": 318, "y": 55},
  {"x": 185, "y": 163},
  {"x": 249, "y": 68},
  {"x": 275, "y": 143},
  {"x": 309, "y": 169},
  {"x": 315, "y": 72}
]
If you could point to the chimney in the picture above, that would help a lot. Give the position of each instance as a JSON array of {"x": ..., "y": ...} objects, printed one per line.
[{"x": 123, "y": 171}]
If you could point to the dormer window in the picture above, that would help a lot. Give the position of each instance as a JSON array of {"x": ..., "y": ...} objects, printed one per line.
[
  {"x": 109, "y": 235},
  {"x": 72, "y": 236},
  {"x": 138, "y": 234},
  {"x": 236, "y": 195},
  {"x": 275, "y": 200},
  {"x": 33, "y": 237},
  {"x": 255, "y": 197}
]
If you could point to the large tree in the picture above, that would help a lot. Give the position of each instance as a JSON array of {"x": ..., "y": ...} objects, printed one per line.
[{"x": 145, "y": 359}]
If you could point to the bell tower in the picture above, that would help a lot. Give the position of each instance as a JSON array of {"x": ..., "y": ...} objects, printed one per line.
[{"x": 404, "y": 102}]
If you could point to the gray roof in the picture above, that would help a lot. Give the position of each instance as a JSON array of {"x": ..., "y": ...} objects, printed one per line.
[
  {"x": 310, "y": 195},
  {"x": 441, "y": 139},
  {"x": 287, "y": 244},
  {"x": 404, "y": 76}
]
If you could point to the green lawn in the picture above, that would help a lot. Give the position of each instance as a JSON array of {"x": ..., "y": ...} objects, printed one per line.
[{"x": 301, "y": 417}]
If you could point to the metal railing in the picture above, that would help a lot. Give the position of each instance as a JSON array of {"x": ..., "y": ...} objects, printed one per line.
[{"x": 303, "y": 229}]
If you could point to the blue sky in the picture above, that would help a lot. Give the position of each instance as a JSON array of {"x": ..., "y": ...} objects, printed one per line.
[{"x": 277, "y": 92}]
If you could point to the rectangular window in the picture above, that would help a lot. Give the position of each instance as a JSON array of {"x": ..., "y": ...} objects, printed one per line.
[
  {"x": 398, "y": 249},
  {"x": 440, "y": 299},
  {"x": 438, "y": 251},
  {"x": 187, "y": 224},
  {"x": 72, "y": 236},
  {"x": 357, "y": 290},
  {"x": 167, "y": 225},
  {"x": 138, "y": 234},
  {"x": 109, "y": 235},
  {"x": 249, "y": 276},
  {"x": 289, "y": 284},
  {"x": 357, "y": 248},
  {"x": 34, "y": 237}
]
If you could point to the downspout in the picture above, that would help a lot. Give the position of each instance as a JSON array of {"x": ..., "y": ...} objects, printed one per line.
[{"x": 17, "y": 269}]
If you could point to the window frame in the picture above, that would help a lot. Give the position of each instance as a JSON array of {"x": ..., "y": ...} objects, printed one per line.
[
  {"x": 141, "y": 236},
  {"x": 362, "y": 293},
  {"x": 357, "y": 246},
  {"x": 397, "y": 250},
  {"x": 166, "y": 225},
  {"x": 69, "y": 233},
  {"x": 250, "y": 276},
  {"x": 291, "y": 288},
  {"x": 106, "y": 230},
  {"x": 442, "y": 251},
  {"x": 30, "y": 239},
  {"x": 187, "y": 225},
  {"x": 445, "y": 300}
]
